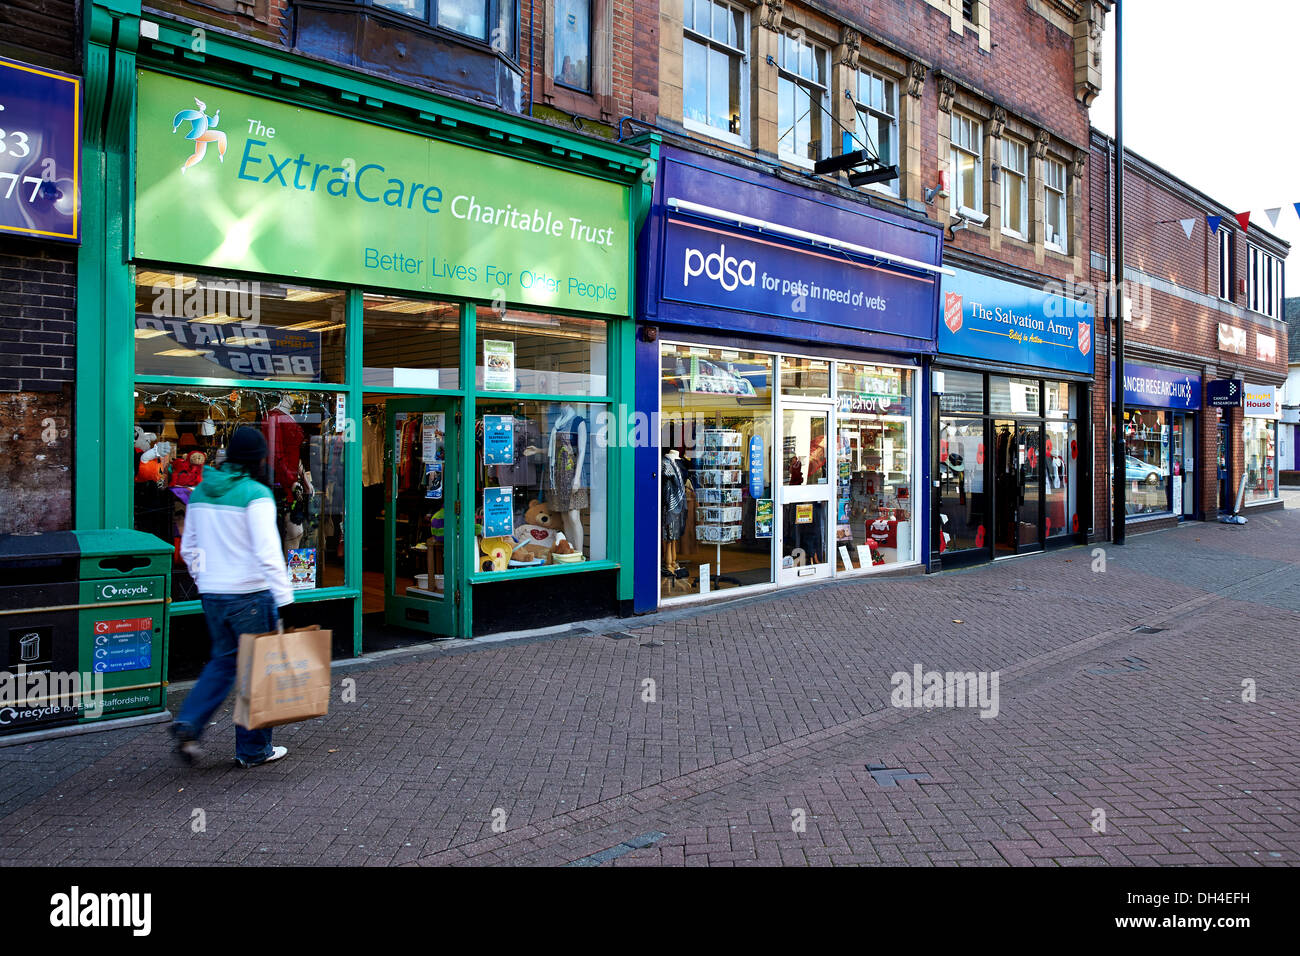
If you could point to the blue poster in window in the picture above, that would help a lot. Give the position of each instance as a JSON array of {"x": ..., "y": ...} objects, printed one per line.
[
  {"x": 498, "y": 512},
  {"x": 756, "y": 467},
  {"x": 498, "y": 439}
]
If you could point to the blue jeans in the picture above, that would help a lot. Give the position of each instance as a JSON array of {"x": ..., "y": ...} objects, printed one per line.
[{"x": 228, "y": 616}]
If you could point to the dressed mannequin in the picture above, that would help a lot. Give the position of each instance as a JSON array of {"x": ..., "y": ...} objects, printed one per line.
[
  {"x": 674, "y": 505},
  {"x": 564, "y": 481},
  {"x": 284, "y": 445}
]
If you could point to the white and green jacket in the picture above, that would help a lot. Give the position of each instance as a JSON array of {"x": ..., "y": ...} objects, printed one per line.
[{"x": 231, "y": 544}]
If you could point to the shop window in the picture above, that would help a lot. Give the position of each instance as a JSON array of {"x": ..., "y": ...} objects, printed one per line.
[
  {"x": 874, "y": 489},
  {"x": 180, "y": 431},
  {"x": 1260, "y": 449},
  {"x": 410, "y": 343},
  {"x": 962, "y": 392},
  {"x": 1055, "y": 210},
  {"x": 1015, "y": 179},
  {"x": 540, "y": 495},
  {"x": 1146, "y": 461},
  {"x": 717, "y": 509},
  {"x": 1014, "y": 396},
  {"x": 964, "y": 505},
  {"x": 538, "y": 354},
  {"x": 203, "y": 326},
  {"x": 877, "y": 120},
  {"x": 715, "y": 73},
  {"x": 967, "y": 162},
  {"x": 802, "y": 95},
  {"x": 805, "y": 377}
]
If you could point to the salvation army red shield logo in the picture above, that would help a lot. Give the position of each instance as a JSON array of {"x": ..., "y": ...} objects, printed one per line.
[
  {"x": 952, "y": 311},
  {"x": 1085, "y": 338}
]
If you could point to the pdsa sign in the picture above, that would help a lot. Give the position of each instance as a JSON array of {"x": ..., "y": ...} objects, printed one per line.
[{"x": 232, "y": 181}]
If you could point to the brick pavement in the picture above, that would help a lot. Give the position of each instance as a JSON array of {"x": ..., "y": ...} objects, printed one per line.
[{"x": 763, "y": 708}]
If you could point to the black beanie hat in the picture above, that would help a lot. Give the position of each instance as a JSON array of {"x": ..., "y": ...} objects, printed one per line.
[{"x": 247, "y": 447}]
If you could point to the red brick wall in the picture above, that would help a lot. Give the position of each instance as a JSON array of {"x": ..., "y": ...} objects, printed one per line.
[{"x": 1164, "y": 324}]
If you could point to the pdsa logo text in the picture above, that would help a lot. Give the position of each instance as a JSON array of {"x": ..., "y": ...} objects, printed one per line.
[{"x": 727, "y": 271}]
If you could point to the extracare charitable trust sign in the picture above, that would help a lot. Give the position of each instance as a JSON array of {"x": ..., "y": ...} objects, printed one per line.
[{"x": 231, "y": 181}]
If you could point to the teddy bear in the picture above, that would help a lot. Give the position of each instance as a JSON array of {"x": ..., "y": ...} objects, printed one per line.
[
  {"x": 534, "y": 539},
  {"x": 188, "y": 472}
]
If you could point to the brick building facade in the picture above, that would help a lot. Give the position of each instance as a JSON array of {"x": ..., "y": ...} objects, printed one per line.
[
  {"x": 1210, "y": 306},
  {"x": 37, "y": 315}
]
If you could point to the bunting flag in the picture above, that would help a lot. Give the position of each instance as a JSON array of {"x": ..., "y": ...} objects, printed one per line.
[
  {"x": 1297, "y": 208},
  {"x": 1273, "y": 214},
  {"x": 1215, "y": 220},
  {"x": 1188, "y": 225},
  {"x": 1243, "y": 220}
]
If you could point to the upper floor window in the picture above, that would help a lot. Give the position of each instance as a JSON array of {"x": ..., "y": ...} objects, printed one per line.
[
  {"x": 969, "y": 11},
  {"x": 1264, "y": 282},
  {"x": 572, "y": 60},
  {"x": 877, "y": 123},
  {"x": 801, "y": 100},
  {"x": 1056, "y": 217},
  {"x": 1225, "y": 264},
  {"x": 1015, "y": 188},
  {"x": 714, "y": 73},
  {"x": 967, "y": 159},
  {"x": 492, "y": 21}
]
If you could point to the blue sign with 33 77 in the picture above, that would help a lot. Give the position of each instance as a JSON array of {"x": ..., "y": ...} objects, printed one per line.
[
  {"x": 40, "y": 152},
  {"x": 1001, "y": 321}
]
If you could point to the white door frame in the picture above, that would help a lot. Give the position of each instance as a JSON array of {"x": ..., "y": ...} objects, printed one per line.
[{"x": 795, "y": 494}]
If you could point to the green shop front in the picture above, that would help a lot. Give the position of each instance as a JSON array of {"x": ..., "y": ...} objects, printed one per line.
[{"x": 423, "y": 306}]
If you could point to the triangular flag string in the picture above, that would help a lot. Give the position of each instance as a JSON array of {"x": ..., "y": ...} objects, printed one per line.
[
  {"x": 1243, "y": 220},
  {"x": 1273, "y": 214},
  {"x": 1188, "y": 225},
  {"x": 1214, "y": 224}
]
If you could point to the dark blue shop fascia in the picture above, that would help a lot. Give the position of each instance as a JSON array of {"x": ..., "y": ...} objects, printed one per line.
[{"x": 730, "y": 251}]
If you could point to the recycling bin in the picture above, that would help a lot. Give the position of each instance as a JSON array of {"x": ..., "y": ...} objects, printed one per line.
[{"x": 84, "y": 620}]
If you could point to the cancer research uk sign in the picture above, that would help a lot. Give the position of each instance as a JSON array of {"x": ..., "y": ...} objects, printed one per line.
[
  {"x": 987, "y": 318},
  {"x": 707, "y": 265},
  {"x": 1156, "y": 387},
  {"x": 231, "y": 181}
]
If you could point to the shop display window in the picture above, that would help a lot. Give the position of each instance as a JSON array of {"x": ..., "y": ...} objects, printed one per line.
[
  {"x": 964, "y": 505},
  {"x": 1146, "y": 460},
  {"x": 540, "y": 483},
  {"x": 1060, "y": 461},
  {"x": 538, "y": 354},
  {"x": 410, "y": 343},
  {"x": 204, "y": 326},
  {"x": 1260, "y": 446},
  {"x": 963, "y": 392},
  {"x": 181, "y": 430},
  {"x": 874, "y": 492},
  {"x": 717, "y": 514}
]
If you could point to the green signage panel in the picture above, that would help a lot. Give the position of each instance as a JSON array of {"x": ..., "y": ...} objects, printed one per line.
[{"x": 231, "y": 181}]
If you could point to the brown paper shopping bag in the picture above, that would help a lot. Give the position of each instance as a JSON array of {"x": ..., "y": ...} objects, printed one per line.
[{"x": 282, "y": 678}]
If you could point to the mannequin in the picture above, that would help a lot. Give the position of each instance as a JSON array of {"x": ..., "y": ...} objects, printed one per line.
[
  {"x": 566, "y": 453},
  {"x": 674, "y": 506},
  {"x": 284, "y": 445}
]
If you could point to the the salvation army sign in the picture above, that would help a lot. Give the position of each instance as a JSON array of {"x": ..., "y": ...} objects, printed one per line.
[{"x": 989, "y": 318}]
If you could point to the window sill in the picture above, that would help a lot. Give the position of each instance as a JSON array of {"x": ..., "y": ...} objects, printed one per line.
[
  {"x": 1059, "y": 250},
  {"x": 540, "y": 571},
  {"x": 712, "y": 132},
  {"x": 1012, "y": 234}
]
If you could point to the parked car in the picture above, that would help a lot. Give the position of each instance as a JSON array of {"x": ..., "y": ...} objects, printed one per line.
[{"x": 1135, "y": 469}]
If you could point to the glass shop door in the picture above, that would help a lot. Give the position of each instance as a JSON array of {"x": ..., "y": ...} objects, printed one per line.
[
  {"x": 421, "y": 579},
  {"x": 807, "y": 516}
]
